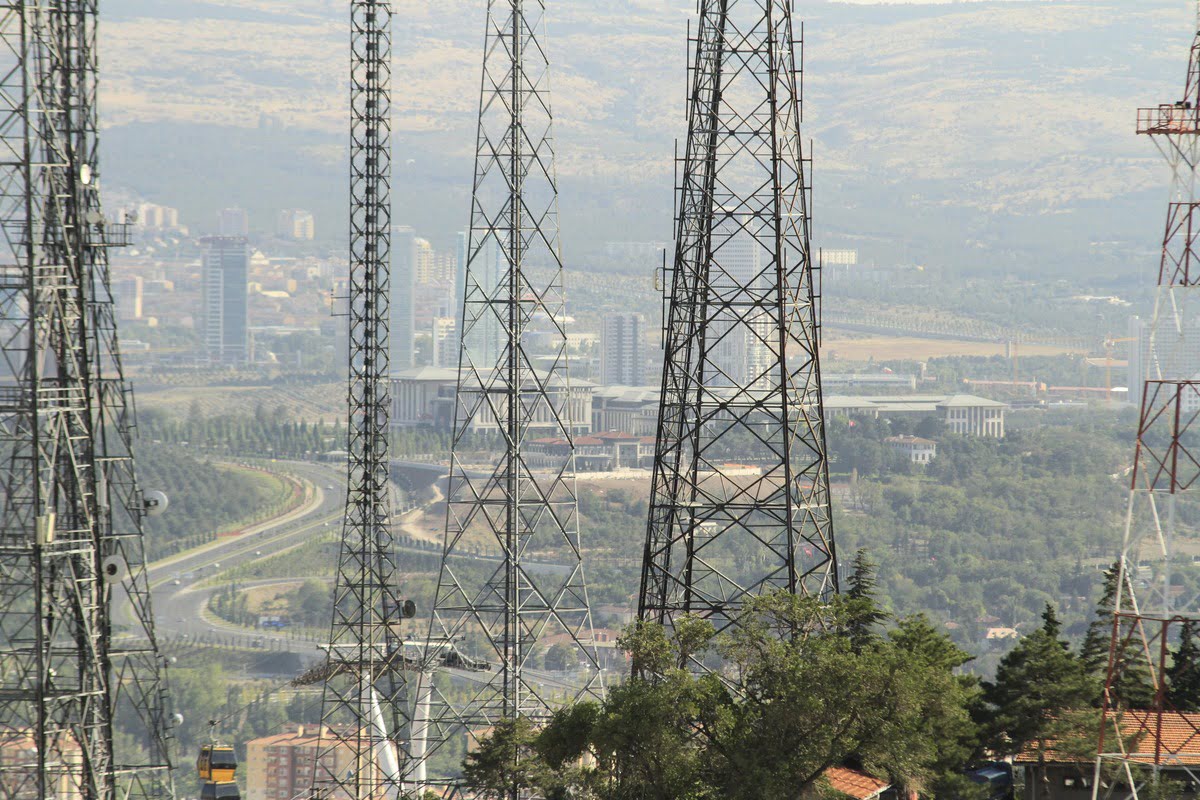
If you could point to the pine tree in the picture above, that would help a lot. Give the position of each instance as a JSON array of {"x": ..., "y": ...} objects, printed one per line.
[
  {"x": 1131, "y": 683},
  {"x": 864, "y": 611},
  {"x": 1051, "y": 625},
  {"x": 1039, "y": 689},
  {"x": 1183, "y": 676},
  {"x": 1094, "y": 650}
]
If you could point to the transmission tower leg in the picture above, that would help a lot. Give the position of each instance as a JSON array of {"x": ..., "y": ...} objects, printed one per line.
[
  {"x": 502, "y": 496},
  {"x": 1156, "y": 606},
  {"x": 741, "y": 375},
  {"x": 83, "y": 712},
  {"x": 364, "y": 705}
]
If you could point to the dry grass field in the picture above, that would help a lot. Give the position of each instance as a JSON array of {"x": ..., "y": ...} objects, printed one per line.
[{"x": 841, "y": 348}]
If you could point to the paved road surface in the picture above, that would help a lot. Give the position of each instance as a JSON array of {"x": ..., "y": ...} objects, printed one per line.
[{"x": 179, "y": 607}]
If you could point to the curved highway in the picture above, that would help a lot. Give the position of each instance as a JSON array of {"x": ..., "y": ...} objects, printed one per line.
[{"x": 178, "y": 602}]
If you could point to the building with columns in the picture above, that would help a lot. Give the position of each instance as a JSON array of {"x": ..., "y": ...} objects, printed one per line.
[
  {"x": 963, "y": 414},
  {"x": 427, "y": 396}
]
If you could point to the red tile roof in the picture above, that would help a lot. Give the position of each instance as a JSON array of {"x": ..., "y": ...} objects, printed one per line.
[
  {"x": 853, "y": 783},
  {"x": 1179, "y": 744}
]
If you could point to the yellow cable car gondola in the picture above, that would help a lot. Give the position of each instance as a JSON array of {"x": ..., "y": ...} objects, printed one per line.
[{"x": 216, "y": 766}]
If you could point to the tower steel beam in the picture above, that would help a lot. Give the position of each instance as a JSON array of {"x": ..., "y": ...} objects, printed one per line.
[
  {"x": 72, "y": 560},
  {"x": 1155, "y": 602},
  {"x": 740, "y": 493},
  {"x": 360, "y": 755},
  {"x": 507, "y": 493}
]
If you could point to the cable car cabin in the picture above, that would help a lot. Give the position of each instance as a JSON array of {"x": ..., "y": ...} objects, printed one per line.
[
  {"x": 216, "y": 764},
  {"x": 226, "y": 790}
]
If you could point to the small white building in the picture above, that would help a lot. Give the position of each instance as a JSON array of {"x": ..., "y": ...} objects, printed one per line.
[{"x": 918, "y": 450}]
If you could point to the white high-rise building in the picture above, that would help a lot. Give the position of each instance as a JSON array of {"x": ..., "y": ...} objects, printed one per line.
[
  {"x": 297, "y": 224},
  {"x": 739, "y": 334},
  {"x": 622, "y": 349},
  {"x": 1174, "y": 353},
  {"x": 482, "y": 329},
  {"x": 127, "y": 296},
  {"x": 233, "y": 222},
  {"x": 154, "y": 216},
  {"x": 445, "y": 343},
  {"x": 401, "y": 298},
  {"x": 225, "y": 310}
]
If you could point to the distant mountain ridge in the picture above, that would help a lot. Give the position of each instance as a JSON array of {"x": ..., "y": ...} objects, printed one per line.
[{"x": 977, "y": 136}]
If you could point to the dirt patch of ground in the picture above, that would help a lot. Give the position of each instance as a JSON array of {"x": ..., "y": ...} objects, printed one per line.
[{"x": 837, "y": 348}]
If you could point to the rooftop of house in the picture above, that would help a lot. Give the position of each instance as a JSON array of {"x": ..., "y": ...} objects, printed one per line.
[
  {"x": 910, "y": 402},
  {"x": 910, "y": 440},
  {"x": 853, "y": 783},
  {"x": 1179, "y": 744},
  {"x": 629, "y": 394}
]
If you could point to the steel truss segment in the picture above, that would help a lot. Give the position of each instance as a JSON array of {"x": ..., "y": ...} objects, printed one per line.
[
  {"x": 362, "y": 752},
  {"x": 505, "y": 497},
  {"x": 740, "y": 495},
  {"x": 1155, "y": 605},
  {"x": 72, "y": 561},
  {"x": 1134, "y": 743}
]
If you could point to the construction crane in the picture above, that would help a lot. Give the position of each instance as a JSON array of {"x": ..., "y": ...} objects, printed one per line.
[{"x": 1110, "y": 344}]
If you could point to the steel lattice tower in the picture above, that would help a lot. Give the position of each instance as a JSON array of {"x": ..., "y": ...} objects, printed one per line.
[
  {"x": 491, "y": 614},
  {"x": 1136, "y": 742},
  {"x": 740, "y": 495},
  {"x": 363, "y": 713},
  {"x": 79, "y": 661}
]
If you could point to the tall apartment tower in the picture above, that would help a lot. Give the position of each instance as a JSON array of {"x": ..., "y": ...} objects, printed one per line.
[
  {"x": 404, "y": 278},
  {"x": 483, "y": 341},
  {"x": 233, "y": 222},
  {"x": 445, "y": 343},
  {"x": 226, "y": 326},
  {"x": 128, "y": 293},
  {"x": 295, "y": 224},
  {"x": 623, "y": 349}
]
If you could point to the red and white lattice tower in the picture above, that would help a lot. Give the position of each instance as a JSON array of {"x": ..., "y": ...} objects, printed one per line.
[{"x": 1158, "y": 594}]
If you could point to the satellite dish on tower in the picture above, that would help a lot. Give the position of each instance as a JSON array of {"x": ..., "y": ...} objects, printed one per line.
[
  {"x": 154, "y": 502},
  {"x": 114, "y": 569}
]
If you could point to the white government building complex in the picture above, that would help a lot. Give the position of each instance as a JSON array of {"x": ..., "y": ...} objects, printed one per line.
[{"x": 425, "y": 397}]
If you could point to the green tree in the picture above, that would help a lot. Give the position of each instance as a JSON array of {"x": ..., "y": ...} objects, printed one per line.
[
  {"x": 506, "y": 760},
  {"x": 948, "y": 719},
  {"x": 1183, "y": 676},
  {"x": 864, "y": 613},
  {"x": 1131, "y": 684},
  {"x": 1040, "y": 695},
  {"x": 560, "y": 656},
  {"x": 1093, "y": 652},
  {"x": 814, "y": 700},
  {"x": 313, "y": 603},
  {"x": 796, "y": 697}
]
